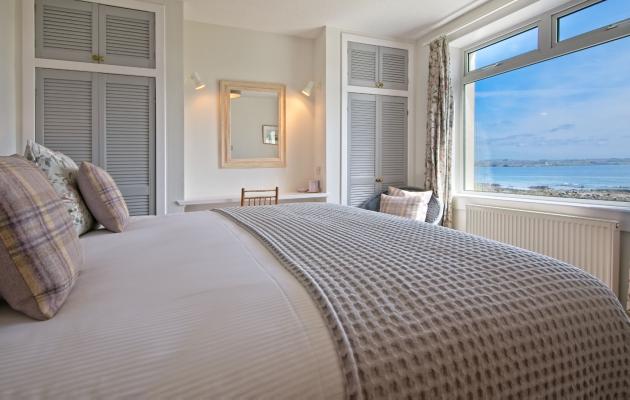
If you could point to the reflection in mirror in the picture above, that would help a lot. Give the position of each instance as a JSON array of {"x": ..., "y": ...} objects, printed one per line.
[{"x": 252, "y": 125}]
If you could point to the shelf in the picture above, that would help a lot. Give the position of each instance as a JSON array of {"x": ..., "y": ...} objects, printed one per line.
[{"x": 236, "y": 199}]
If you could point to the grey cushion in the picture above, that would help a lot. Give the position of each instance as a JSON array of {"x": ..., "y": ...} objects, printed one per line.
[{"x": 434, "y": 212}]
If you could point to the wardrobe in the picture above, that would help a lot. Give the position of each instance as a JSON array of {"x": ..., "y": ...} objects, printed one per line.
[
  {"x": 104, "y": 118},
  {"x": 377, "y": 138}
]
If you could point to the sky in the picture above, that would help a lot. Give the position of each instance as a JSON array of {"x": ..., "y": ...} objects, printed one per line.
[{"x": 572, "y": 107}]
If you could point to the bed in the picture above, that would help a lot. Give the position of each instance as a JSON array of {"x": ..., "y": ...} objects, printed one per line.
[{"x": 211, "y": 305}]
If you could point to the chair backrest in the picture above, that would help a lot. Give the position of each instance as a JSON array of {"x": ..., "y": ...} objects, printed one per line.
[
  {"x": 434, "y": 212},
  {"x": 259, "y": 197}
]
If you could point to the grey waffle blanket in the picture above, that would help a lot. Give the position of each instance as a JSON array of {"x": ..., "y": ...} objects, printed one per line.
[{"x": 424, "y": 312}]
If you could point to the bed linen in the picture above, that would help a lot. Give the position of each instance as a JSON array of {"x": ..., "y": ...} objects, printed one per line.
[
  {"x": 424, "y": 312},
  {"x": 185, "y": 306}
]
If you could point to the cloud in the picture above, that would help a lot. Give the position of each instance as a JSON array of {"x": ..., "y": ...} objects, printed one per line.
[
  {"x": 502, "y": 140},
  {"x": 563, "y": 127},
  {"x": 529, "y": 93},
  {"x": 573, "y": 141}
]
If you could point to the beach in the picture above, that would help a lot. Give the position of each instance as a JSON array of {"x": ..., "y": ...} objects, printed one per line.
[
  {"x": 592, "y": 182},
  {"x": 589, "y": 194}
]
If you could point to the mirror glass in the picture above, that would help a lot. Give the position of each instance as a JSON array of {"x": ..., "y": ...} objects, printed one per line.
[{"x": 254, "y": 124}]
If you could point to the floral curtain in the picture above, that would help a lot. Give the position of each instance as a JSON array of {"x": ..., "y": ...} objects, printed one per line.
[{"x": 440, "y": 126}]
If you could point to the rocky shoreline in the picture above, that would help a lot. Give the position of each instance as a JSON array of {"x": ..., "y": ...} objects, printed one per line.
[{"x": 575, "y": 193}]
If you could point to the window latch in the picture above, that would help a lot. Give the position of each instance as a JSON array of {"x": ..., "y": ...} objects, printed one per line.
[{"x": 491, "y": 66}]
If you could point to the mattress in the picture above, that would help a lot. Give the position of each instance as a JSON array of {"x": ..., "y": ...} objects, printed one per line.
[{"x": 179, "y": 306}]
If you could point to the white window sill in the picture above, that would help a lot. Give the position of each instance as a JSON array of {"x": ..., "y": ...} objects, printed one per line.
[{"x": 610, "y": 210}]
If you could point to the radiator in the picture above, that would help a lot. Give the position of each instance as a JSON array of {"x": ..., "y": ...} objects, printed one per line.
[{"x": 587, "y": 243}]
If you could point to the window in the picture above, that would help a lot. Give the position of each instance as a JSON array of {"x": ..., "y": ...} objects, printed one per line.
[
  {"x": 553, "y": 126},
  {"x": 598, "y": 15},
  {"x": 504, "y": 49}
]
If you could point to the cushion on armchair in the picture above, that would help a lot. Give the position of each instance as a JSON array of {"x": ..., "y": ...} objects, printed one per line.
[
  {"x": 413, "y": 207},
  {"x": 434, "y": 210}
]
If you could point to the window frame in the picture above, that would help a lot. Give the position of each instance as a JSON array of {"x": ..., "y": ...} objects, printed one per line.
[
  {"x": 555, "y": 18},
  {"x": 548, "y": 48},
  {"x": 497, "y": 39}
]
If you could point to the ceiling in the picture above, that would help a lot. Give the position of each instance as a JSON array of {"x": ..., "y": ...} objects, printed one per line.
[{"x": 405, "y": 19}]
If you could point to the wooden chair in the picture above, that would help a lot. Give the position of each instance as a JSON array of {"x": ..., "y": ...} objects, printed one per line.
[{"x": 260, "y": 197}]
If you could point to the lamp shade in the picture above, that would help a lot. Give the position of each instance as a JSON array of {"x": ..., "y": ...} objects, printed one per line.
[
  {"x": 308, "y": 89},
  {"x": 199, "y": 84}
]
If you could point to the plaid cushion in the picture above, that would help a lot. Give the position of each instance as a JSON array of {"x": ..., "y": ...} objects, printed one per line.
[
  {"x": 103, "y": 197},
  {"x": 414, "y": 207},
  {"x": 40, "y": 253},
  {"x": 394, "y": 191}
]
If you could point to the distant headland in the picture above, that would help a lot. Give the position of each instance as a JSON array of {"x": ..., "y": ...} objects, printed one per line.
[{"x": 552, "y": 163}]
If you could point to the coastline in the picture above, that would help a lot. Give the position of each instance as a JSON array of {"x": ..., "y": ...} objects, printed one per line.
[{"x": 575, "y": 193}]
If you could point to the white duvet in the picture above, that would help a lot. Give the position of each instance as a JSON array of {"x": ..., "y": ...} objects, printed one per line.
[{"x": 185, "y": 306}]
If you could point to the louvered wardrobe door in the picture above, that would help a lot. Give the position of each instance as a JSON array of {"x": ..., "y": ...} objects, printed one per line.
[
  {"x": 128, "y": 149},
  {"x": 127, "y": 37},
  {"x": 362, "y": 64},
  {"x": 393, "y": 140},
  {"x": 393, "y": 68},
  {"x": 66, "y": 30},
  {"x": 66, "y": 113},
  {"x": 362, "y": 150}
]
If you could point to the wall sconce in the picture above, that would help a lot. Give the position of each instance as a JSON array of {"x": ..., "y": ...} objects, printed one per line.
[
  {"x": 199, "y": 84},
  {"x": 235, "y": 94},
  {"x": 308, "y": 89}
]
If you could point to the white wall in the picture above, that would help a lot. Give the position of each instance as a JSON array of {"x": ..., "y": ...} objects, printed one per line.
[
  {"x": 421, "y": 75},
  {"x": 332, "y": 91},
  {"x": 10, "y": 55},
  {"x": 319, "y": 112},
  {"x": 327, "y": 73},
  {"x": 174, "y": 104},
  {"x": 216, "y": 53}
]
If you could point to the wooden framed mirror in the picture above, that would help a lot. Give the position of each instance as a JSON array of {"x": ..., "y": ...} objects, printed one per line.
[{"x": 252, "y": 125}]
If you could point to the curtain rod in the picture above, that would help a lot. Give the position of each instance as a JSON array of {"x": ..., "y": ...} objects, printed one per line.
[{"x": 467, "y": 24}]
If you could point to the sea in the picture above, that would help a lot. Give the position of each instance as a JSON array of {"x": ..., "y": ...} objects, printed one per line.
[{"x": 602, "y": 177}]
